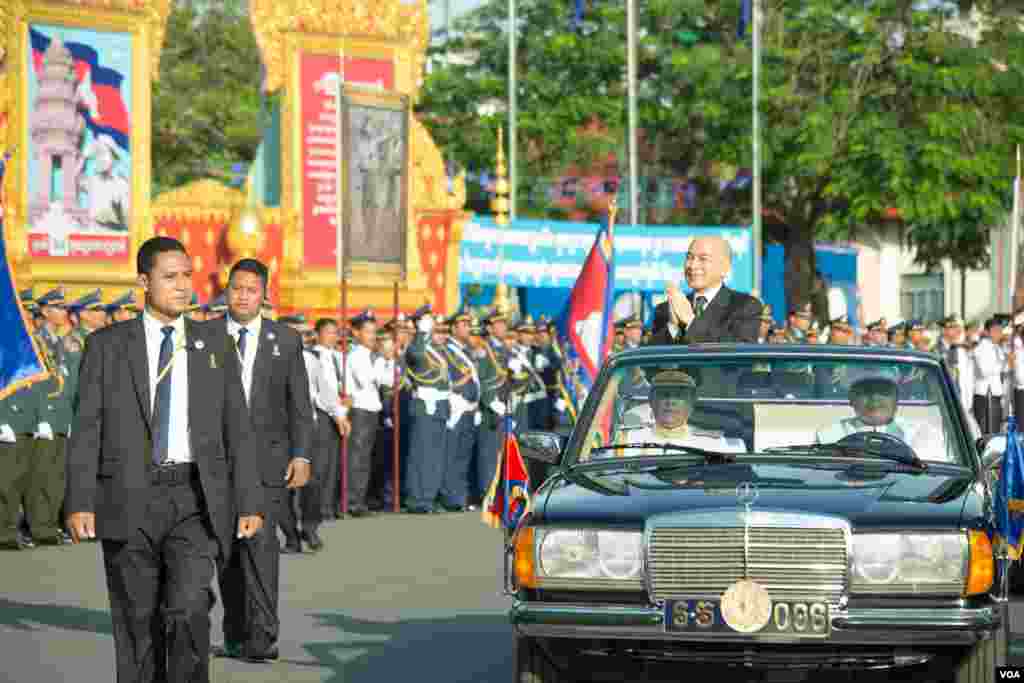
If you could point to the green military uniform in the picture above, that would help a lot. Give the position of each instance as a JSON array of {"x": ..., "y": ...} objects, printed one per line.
[
  {"x": 54, "y": 407},
  {"x": 18, "y": 412}
]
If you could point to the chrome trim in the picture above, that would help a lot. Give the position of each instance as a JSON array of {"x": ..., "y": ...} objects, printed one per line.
[
  {"x": 596, "y": 584},
  {"x": 734, "y": 518},
  {"x": 939, "y": 626}
]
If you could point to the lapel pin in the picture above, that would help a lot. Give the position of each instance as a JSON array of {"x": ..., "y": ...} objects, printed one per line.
[
  {"x": 213, "y": 361},
  {"x": 270, "y": 336},
  {"x": 277, "y": 350},
  {"x": 200, "y": 345}
]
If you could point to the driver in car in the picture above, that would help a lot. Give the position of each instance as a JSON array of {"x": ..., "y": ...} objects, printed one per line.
[{"x": 673, "y": 395}]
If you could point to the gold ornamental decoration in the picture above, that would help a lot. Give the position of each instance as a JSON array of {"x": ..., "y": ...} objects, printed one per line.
[
  {"x": 199, "y": 200},
  {"x": 404, "y": 22}
]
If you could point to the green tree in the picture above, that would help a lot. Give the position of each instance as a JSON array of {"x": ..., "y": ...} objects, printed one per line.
[
  {"x": 206, "y": 104},
  {"x": 871, "y": 111}
]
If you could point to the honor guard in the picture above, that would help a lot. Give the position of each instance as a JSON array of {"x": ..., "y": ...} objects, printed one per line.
[
  {"x": 464, "y": 419},
  {"x": 528, "y": 387},
  {"x": 123, "y": 308},
  {"x": 427, "y": 370},
  {"x": 766, "y": 324},
  {"x": 19, "y": 423},
  {"x": 91, "y": 315},
  {"x": 538, "y": 407},
  {"x": 496, "y": 398},
  {"x": 799, "y": 320},
  {"x": 673, "y": 396},
  {"x": 551, "y": 357},
  {"x": 61, "y": 355}
]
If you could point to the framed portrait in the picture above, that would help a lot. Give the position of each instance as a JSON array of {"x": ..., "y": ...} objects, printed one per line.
[
  {"x": 83, "y": 76},
  {"x": 375, "y": 153}
]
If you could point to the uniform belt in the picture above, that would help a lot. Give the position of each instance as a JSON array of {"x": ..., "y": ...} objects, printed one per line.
[{"x": 175, "y": 474}]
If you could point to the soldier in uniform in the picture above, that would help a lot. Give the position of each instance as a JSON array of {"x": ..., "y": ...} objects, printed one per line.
[
  {"x": 990, "y": 364},
  {"x": 465, "y": 417},
  {"x": 548, "y": 359},
  {"x": 19, "y": 420},
  {"x": 123, "y": 308},
  {"x": 91, "y": 314},
  {"x": 673, "y": 396},
  {"x": 767, "y": 320},
  {"x": 799, "y": 320},
  {"x": 427, "y": 370},
  {"x": 362, "y": 384},
  {"x": 31, "y": 308},
  {"x": 492, "y": 356},
  {"x": 61, "y": 354}
]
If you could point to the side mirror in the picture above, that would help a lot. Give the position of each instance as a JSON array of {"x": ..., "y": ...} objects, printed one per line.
[
  {"x": 992, "y": 447},
  {"x": 541, "y": 446}
]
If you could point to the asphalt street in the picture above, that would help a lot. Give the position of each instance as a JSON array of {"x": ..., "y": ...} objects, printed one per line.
[{"x": 389, "y": 599}]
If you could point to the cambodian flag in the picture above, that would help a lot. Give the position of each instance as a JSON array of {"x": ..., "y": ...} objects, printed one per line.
[
  {"x": 508, "y": 498},
  {"x": 99, "y": 88},
  {"x": 586, "y": 323},
  {"x": 1009, "y": 494},
  {"x": 20, "y": 363}
]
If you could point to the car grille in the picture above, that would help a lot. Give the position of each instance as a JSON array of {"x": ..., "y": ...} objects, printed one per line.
[{"x": 791, "y": 563}]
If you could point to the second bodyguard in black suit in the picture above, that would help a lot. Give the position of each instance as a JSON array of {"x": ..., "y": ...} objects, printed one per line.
[
  {"x": 160, "y": 465},
  {"x": 277, "y": 392}
]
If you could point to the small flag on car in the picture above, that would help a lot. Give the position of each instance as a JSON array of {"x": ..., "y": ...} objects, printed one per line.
[{"x": 1009, "y": 495}]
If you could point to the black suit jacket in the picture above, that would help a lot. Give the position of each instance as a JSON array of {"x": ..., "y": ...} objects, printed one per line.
[
  {"x": 730, "y": 317},
  {"x": 279, "y": 406},
  {"x": 109, "y": 452}
]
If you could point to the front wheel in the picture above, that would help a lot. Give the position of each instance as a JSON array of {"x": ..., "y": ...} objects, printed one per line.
[{"x": 533, "y": 665}]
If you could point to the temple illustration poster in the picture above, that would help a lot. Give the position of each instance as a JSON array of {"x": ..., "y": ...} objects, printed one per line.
[{"x": 79, "y": 120}]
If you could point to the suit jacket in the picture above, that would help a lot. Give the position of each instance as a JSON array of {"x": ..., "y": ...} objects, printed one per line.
[
  {"x": 730, "y": 317},
  {"x": 110, "y": 449},
  {"x": 279, "y": 406}
]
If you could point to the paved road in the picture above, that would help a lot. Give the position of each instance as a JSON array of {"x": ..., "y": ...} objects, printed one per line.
[{"x": 390, "y": 599}]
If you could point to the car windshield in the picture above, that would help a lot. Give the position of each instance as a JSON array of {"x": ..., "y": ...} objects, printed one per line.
[{"x": 777, "y": 405}]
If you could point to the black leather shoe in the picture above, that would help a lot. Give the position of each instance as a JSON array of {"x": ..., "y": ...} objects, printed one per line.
[
  {"x": 228, "y": 650},
  {"x": 312, "y": 539},
  {"x": 291, "y": 547},
  {"x": 419, "y": 511},
  {"x": 258, "y": 657}
]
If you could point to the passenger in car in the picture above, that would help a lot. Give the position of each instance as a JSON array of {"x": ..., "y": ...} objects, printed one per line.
[{"x": 673, "y": 395}]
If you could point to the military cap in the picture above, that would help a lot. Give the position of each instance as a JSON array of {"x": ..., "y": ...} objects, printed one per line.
[
  {"x": 840, "y": 323},
  {"x": 55, "y": 297},
  {"x": 219, "y": 304},
  {"x": 766, "y": 313},
  {"x": 526, "y": 325},
  {"x": 420, "y": 312},
  {"x": 26, "y": 296},
  {"x": 461, "y": 315},
  {"x": 495, "y": 315},
  {"x": 88, "y": 302},
  {"x": 361, "y": 319},
  {"x": 126, "y": 300},
  {"x": 672, "y": 378},
  {"x": 632, "y": 322},
  {"x": 802, "y": 311},
  {"x": 875, "y": 326},
  {"x": 953, "y": 321},
  {"x": 475, "y": 328}
]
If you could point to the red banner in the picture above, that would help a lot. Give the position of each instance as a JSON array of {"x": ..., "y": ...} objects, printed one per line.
[
  {"x": 318, "y": 79},
  {"x": 100, "y": 247}
]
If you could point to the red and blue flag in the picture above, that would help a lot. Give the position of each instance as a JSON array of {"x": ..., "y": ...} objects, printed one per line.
[
  {"x": 586, "y": 324},
  {"x": 102, "y": 104},
  {"x": 508, "y": 498}
]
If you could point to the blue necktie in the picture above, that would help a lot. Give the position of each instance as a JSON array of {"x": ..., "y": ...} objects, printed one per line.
[
  {"x": 163, "y": 399},
  {"x": 241, "y": 342}
]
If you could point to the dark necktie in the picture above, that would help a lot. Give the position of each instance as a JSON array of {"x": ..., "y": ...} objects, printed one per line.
[
  {"x": 163, "y": 398},
  {"x": 242, "y": 332},
  {"x": 701, "y": 304},
  {"x": 337, "y": 370}
]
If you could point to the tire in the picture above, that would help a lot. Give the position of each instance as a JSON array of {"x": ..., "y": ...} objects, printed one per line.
[
  {"x": 532, "y": 663},
  {"x": 978, "y": 665}
]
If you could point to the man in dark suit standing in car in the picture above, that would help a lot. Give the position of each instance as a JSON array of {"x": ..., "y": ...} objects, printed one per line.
[
  {"x": 277, "y": 391},
  {"x": 162, "y": 469},
  {"x": 713, "y": 312}
]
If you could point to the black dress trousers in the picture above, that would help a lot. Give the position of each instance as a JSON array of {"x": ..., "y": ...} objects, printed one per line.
[{"x": 159, "y": 585}]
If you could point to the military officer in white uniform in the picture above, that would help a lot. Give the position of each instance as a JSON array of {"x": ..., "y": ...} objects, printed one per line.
[
  {"x": 990, "y": 366},
  {"x": 673, "y": 395},
  {"x": 874, "y": 398}
]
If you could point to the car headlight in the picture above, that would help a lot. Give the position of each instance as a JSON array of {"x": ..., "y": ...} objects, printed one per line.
[
  {"x": 909, "y": 563},
  {"x": 582, "y": 556}
]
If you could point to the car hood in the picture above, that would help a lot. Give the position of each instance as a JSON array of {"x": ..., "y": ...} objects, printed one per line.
[{"x": 942, "y": 497}]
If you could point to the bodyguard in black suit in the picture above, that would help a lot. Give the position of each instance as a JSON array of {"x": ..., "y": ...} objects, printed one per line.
[
  {"x": 712, "y": 312},
  {"x": 277, "y": 391},
  {"x": 161, "y": 467}
]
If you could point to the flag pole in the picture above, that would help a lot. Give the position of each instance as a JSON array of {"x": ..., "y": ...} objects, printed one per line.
[
  {"x": 634, "y": 210},
  {"x": 340, "y": 266},
  {"x": 513, "y": 84},
  {"x": 756, "y": 189},
  {"x": 396, "y": 418}
]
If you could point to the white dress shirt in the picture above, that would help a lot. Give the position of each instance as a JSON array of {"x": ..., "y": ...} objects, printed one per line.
[
  {"x": 709, "y": 294},
  {"x": 989, "y": 365},
  {"x": 361, "y": 379},
  {"x": 313, "y": 373},
  {"x": 252, "y": 340},
  {"x": 178, "y": 448},
  {"x": 329, "y": 396}
]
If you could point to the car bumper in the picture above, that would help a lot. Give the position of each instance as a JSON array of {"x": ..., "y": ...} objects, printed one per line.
[{"x": 862, "y": 626}]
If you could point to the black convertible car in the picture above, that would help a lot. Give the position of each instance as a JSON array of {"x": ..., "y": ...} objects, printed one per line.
[{"x": 776, "y": 508}]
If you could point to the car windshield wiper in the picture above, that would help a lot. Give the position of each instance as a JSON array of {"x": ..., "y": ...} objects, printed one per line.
[
  {"x": 710, "y": 457},
  {"x": 908, "y": 458}
]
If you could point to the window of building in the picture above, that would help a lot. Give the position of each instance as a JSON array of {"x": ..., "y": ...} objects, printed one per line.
[{"x": 923, "y": 297}]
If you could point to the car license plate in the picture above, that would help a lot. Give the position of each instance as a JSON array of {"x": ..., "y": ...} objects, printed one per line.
[{"x": 792, "y": 619}]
